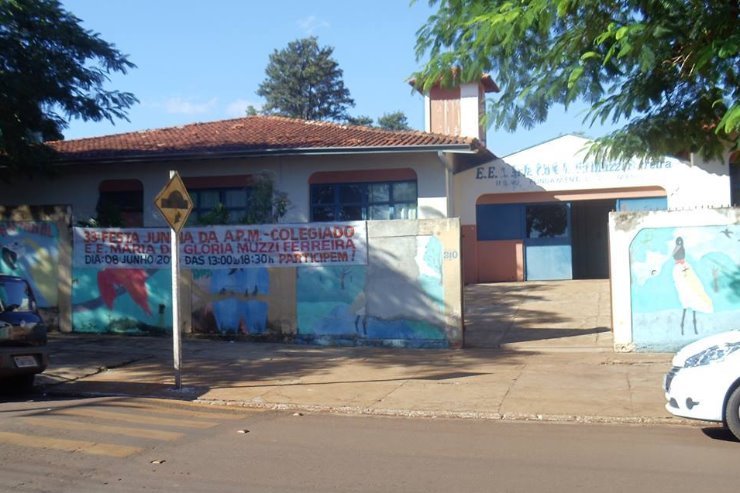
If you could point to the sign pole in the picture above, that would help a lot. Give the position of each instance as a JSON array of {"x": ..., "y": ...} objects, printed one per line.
[
  {"x": 176, "y": 343},
  {"x": 175, "y": 205}
]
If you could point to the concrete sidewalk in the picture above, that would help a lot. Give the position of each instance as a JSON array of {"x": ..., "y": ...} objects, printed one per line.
[{"x": 560, "y": 383}]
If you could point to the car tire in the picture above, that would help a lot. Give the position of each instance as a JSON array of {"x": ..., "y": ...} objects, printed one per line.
[{"x": 732, "y": 413}]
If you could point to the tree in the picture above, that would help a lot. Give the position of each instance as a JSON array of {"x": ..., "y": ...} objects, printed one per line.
[
  {"x": 669, "y": 69},
  {"x": 304, "y": 81},
  {"x": 394, "y": 121},
  {"x": 389, "y": 121},
  {"x": 363, "y": 120},
  {"x": 265, "y": 205},
  {"x": 51, "y": 69}
]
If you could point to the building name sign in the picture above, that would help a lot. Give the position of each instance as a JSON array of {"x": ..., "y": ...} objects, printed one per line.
[
  {"x": 224, "y": 247},
  {"x": 516, "y": 176}
]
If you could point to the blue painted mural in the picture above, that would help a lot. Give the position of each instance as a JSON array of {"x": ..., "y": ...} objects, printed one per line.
[
  {"x": 31, "y": 250},
  {"x": 399, "y": 300},
  {"x": 331, "y": 303},
  {"x": 335, "y": 304},
  {"x": 138, "y": 301},
  {"x": 121, "y": 301},
  {"x": 685, "y": 284},
  {"x": 231, "y": 301}
]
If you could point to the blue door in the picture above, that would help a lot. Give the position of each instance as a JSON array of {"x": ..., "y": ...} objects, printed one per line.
[{"x": 547, "y": 242}]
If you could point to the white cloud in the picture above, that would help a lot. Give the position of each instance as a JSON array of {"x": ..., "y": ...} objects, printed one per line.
[
  {"x": 312, "y": 23},
  {"x": 180, "y": 106},
  {"x": 238, "y": 107}
]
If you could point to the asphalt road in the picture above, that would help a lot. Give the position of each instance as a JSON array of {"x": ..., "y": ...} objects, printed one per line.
[{"x": 125, "y": 444}]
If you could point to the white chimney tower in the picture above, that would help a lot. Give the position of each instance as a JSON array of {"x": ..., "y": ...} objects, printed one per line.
[{"x": 458, "y": 110}]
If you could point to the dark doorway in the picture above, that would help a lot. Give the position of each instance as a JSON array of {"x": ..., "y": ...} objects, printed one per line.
[{"x": 590, "y": 223}]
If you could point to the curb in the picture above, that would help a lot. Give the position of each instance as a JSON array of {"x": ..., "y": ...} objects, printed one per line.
[
  {"x": 182, "y": 395},
  {"x": 463, "y": 415}
]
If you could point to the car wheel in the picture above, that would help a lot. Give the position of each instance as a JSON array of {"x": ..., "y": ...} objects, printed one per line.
[{"x": 732, "y": 413}]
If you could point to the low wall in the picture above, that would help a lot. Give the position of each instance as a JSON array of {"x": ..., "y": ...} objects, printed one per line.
[
  {"x": 675, "y": 277},
  {"x": 35, "y": 244},
  {"x": 408, "y": 293}
]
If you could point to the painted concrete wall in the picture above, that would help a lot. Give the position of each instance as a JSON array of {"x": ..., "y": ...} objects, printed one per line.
[
  {"x": 35, "y": 244},
  {"x": 121, "y": 301},
  {"x": 409, "y": 294},
  {"x": 78, "y": 186},
  {"x": 675, "y": 277},
  {"x": 31, "y": 250}
]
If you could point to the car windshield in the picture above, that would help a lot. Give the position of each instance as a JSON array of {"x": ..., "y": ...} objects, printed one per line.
[{"x": 14, "y": 295}]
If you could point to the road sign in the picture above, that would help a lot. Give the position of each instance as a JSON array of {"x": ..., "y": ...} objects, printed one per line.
[{"x": 174, "y": 203}]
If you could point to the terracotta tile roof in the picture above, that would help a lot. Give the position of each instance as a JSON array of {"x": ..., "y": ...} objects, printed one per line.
[{"x": 255, "y": 135}]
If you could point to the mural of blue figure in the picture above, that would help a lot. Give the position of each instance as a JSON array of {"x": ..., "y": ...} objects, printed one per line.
[
  {"x": 236, "y": 314},
  {"x": 31, "y": 251},
  {"x": 691, "y": 293}
]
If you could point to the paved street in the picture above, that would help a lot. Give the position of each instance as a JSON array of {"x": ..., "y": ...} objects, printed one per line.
[
  {"x": 126, "y": 444},
  {"x": 131, "y": 426}
]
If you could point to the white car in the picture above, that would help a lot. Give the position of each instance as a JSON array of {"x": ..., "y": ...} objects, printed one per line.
[{"x": 704, "y": 382}]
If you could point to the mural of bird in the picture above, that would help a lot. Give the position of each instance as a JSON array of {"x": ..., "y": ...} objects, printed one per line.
[
  {"x": 691, "y": 293},
  {"x": 132, "y": 281}
]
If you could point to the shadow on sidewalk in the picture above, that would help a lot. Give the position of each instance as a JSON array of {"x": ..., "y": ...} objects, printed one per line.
[
  {"x": 505, "y": 313},
  {"x": 143, "y": 366}
]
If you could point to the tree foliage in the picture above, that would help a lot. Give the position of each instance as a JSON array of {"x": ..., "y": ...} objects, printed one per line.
[
  {"x": 667, "y": 68},
  {"x": 304, "y": 81},
  {"x": 265, "y": 205},
  {"x": 364, "y": 120},
  {"x": 51, "y": 69},
  {"x": 389, "y": 121},
  {"x": 394, "y": 121}
]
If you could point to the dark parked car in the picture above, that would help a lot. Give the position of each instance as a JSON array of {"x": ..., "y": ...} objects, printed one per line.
[{"x": 23, "y": 351}]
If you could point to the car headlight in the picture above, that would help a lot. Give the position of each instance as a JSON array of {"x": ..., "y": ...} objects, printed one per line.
[{"x": 713, "y": 354}]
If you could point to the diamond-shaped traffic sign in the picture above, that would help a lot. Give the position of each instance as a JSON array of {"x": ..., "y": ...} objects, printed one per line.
[{"x": 174, "y": 203}]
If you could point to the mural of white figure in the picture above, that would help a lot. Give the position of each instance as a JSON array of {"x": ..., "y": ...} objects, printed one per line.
[{"x": 691, "y": 293}]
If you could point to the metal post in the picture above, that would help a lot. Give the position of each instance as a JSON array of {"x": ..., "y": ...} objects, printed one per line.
[{"x": 175, "y": 256}]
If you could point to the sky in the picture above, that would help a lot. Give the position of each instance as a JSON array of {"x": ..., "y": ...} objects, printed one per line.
[{"x": 201, "y": 61}]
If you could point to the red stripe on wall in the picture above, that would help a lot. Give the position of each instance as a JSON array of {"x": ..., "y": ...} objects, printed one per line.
[
  {"x": 228, "y": 181},
  {"x": 570, "y": 195},
  {"x": 365, "y": 175}
]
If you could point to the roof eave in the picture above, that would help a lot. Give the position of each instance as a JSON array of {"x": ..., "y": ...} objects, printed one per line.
[{"x": 458, "y": 149}]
